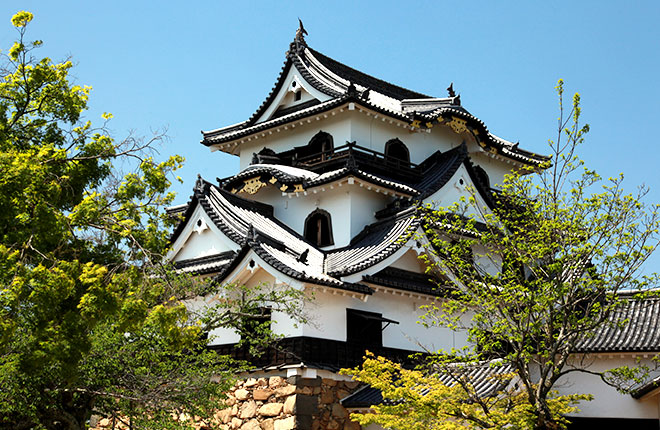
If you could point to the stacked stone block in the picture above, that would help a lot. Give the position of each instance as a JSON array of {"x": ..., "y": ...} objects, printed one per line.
[{"x": 278, "y": 403}]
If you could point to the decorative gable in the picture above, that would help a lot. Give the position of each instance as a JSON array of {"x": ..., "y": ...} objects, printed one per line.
[{"x": 292, "y": 93}]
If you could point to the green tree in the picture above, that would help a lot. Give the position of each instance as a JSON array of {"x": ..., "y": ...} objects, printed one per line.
[
  {"x": 532, "y": 278},
  {"x": 91, "y": 320}
]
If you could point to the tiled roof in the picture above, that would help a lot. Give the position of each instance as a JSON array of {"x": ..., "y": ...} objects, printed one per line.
[
  {"x": 647, "y": 387},
  {"x": 207, "y": 264},
  {"x": 344, "y": 84},
  {"x": 434, "y": 173},
  {"x": 246, "y": 128},
  {"x": 406, "y": 280},
  {"x": 310, "y": 179},
  {"x": 482, "y": 378},
  {"x": 364, "y": 80},
  {"x": 505, "y": 147},
  {"x": 252, "y": 226},
  {"x": 373, "y": 244},
  {"x": 442, "y": 167},
  {"x": 633, "y": 327}
]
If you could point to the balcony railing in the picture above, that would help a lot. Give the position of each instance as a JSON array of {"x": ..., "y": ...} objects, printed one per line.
[
  {"x": 314, "y": 351},
  {"x": 330, "y": 159}
]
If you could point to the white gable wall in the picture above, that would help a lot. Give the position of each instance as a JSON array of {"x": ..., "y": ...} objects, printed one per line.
[
  {"x": 350, "y": 206},
  {"x": 459, "y": 186},
  {"x": 199, "y": 241},
  {"x": 409, "y": 261},
  {"x": 285, "y": 98}
]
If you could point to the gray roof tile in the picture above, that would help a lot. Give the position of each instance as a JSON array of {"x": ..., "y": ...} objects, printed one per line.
[
  {"x": 483, "y": 378},
  {"x": 633, "y": 327}
]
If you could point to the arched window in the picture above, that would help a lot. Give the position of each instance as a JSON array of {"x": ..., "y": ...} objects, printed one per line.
[
  {"x": 318, "y": 228},
  {"x": 320, "y": 143},
  {"x": 396, "y": 150}
]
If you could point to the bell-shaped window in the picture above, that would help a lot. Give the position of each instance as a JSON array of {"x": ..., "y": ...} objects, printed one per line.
[
  {"x": 318, "y": 228},
  {"x": 321, "y": 144},
  {"x": 395, "y": 150}
]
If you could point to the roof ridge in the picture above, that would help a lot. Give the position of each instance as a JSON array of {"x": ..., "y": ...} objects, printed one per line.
[{"x": 335, "y": 67}]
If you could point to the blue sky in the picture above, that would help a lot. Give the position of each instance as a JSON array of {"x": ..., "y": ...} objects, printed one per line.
[{"x": 200, "y": 65}]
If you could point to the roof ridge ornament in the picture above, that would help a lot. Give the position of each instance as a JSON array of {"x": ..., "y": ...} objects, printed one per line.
[
  {"x": 351, "y": 90},
  {"x": 299, "y": 40},
  {"x": 450, "y": 90},
  {"x": 199, "y": 184},
  {"x": 365, "y": 94}
]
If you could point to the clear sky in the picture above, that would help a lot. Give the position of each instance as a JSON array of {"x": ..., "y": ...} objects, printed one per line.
[{"x": 200, "y": 65}]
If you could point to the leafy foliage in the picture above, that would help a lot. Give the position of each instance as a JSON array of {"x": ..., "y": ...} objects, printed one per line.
[
  {"x": 532, "y": 276},
  {"x": 443, "y": 396},
  {"x": 91, "y": 321}
]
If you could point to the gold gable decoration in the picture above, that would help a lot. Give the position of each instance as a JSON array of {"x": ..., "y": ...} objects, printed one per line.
[
  {"x": 252, "y": 185},
  {"x": 459, "y": 125}
]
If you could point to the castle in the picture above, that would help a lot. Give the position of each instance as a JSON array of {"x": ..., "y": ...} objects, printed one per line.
[{"x": 335, "y": 166}]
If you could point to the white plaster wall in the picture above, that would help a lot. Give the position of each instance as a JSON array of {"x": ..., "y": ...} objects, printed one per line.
[
  {"x": 370, "y": 132},
  {"x": 607, "y": 402},
  {"x": 293, "y": 135},
  {"x": 282, "y": 324},
  {"x": 373, "y": 133},
  {"x": 408, "y": 334},
  {"x": 453, "y": 191},
  {"x": 496, "y": 169},
  {"x": 409, "y": 261},
  {"x": 194, "y": 242},
  {"x": 489, "y": 263},
  {"x": 350, "y": 206},
  {"x": 218, "y": 336},
  {"x": 285, "y": 96},
  {"x": 364, "y": 204}
]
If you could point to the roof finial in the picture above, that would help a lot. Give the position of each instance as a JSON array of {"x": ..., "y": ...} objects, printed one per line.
[
  {"x": 300, "y": 34},
  {"x": 199, "y": 184},
  {"x": 450, "y": 90},
  {"x": 351, "y": 90}
]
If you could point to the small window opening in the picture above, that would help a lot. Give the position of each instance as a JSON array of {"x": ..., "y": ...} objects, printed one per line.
[
  {"x": 366, "y": 328},
  {"x": 318, "y": 228},
  {"x": 298, "y": 95},
  {"x": 396, "y": 150},
  {"x": 322, "y": 144}
]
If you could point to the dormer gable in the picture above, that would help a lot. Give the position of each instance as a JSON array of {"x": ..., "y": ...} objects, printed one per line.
[{"x": 292, "y": 93}]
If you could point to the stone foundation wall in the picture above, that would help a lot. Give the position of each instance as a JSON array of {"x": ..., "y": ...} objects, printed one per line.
[{"x": 278, "y": 403}]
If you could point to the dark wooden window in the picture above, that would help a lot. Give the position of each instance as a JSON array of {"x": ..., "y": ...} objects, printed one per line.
[
  {"x": 365, "y": 328},
  {"x": 298, "y": 95},
  {"x": 396, "y": 150},
  {"x": 318, "y": 228},
  {"x": 319, "y": 144}
]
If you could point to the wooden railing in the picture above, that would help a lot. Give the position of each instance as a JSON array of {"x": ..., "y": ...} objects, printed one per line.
[
  {"x": 390, "y": 165},
  {"x": 313, "y": 351}
]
